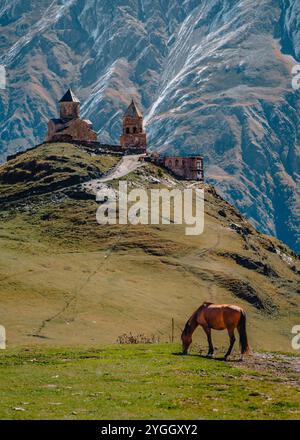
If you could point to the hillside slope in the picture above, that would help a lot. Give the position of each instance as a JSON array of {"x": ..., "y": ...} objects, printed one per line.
[
  {"x": 213, "y": 77},
  {"x": 67, "y": 280}
]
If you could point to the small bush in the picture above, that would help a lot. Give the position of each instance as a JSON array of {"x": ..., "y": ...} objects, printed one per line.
[
  {"x": 137, "y": 339},
  {"x": 160, "y": 172}
]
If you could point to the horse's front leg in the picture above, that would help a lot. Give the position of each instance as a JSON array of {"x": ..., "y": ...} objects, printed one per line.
[
  {"x": 232, "y": 341},
  {"x": 209, "y": 340}
]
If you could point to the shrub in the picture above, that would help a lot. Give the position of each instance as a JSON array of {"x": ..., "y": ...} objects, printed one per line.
[{"x": 129, "y": 338}]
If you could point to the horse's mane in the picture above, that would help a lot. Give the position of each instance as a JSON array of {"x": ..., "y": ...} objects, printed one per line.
[
  {"x": 205, "y": 304},
  {"x": 188, "y": 323},
  {"x": 186, "y": 327}
]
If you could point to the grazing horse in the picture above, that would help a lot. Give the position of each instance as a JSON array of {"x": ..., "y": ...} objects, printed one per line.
[{"x": 217, "y": 317}]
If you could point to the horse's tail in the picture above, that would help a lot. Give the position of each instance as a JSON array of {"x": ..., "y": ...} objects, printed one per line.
[{"x": 243, "y": 334}]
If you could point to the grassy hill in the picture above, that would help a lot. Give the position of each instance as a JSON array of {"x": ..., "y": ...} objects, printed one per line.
[
  {"x": 47, "y": 168},
  {"x": 144, "y": 381},
  {"x": 66, "y": 280}
]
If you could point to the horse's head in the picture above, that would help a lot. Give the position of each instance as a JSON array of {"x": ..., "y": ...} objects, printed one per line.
[{"x": 186, "y": 338}]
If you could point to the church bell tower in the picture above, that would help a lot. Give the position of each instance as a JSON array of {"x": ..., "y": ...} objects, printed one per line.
[
  {"x": 133, "y": 135},
  {"x": 69, "y": 106}
]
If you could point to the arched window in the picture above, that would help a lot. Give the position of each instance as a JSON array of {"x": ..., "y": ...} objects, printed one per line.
[
  {"x": 176, "y": 163},
  {"x": 134, "y": 129},
  {"x": 127, "y": 130}
]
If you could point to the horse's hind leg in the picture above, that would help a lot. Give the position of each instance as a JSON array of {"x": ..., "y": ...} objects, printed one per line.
[
  {"x": 232, "y": 341},
  {"x": 209, "y": 340}
]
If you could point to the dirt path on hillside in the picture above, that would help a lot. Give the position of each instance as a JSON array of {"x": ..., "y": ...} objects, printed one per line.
[
  {"x": 127, "y": 165},
  {"x": 71, "y": 302}
]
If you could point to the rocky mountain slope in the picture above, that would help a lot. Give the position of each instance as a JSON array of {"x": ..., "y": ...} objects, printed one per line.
[
  {"x": 67, "y": 280},
  {"x": 213, "y": 77}
]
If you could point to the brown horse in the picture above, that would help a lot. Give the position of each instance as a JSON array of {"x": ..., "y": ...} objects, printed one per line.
[{"x": 217, "y": 317}]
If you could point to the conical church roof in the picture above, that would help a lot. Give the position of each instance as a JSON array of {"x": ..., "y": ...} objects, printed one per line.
[
  {"x": 133, "y": 111},
  {"x": 69, "y": 97}
]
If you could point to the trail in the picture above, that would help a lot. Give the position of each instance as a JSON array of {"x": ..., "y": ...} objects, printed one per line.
[
  {"x": 127, "y": 165},
  {"x": 72, "y": 301},
  {"x": 211, "y": 286}
]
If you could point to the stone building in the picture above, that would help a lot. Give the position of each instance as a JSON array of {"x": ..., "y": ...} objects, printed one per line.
[
  {"x": 133, "y": 136},
  {"x": 188, "y": 168},
  {"x": 69, "y": 126}
]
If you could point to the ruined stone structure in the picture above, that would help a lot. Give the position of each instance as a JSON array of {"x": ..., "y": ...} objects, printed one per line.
[
  {"x": 188, "y": 168},
  {"x": 133, "y": 136},
  {"x": 70, "y": 126}
]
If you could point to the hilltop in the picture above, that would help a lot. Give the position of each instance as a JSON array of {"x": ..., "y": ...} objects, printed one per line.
[{"x": 67, "y": 280}]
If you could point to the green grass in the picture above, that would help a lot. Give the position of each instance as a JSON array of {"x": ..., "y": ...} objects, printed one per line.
[{"x": 137, "y": 382}]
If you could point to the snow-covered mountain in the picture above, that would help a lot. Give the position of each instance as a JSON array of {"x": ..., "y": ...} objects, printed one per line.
[{"x": 212, "y": 76}]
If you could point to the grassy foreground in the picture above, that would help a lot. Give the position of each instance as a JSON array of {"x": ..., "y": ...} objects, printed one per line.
[{"x": 136, "y": 382}]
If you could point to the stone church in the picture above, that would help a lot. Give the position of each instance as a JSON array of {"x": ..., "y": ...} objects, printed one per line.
[
  {"x": 133, "y": 131},
  {"x": 69, "y": 126}
]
